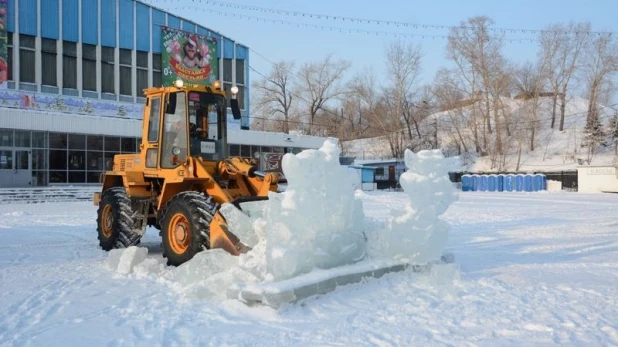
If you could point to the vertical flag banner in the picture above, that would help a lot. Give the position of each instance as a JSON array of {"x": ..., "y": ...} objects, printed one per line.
[
  {"x": 188, "y": 56},
  {"x": 4, "y": 67}
]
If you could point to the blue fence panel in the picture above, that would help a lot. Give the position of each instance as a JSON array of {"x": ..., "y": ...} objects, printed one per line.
[{"x": 509, "y": 183}]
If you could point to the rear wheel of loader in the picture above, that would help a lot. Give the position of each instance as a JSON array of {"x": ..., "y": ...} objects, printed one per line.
[
  {"x": 114, "y": 223},
  {"x": 185, "y": 226}
]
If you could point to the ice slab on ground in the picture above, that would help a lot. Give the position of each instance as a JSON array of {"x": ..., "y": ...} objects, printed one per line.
[{"x": 125, "y": 259}]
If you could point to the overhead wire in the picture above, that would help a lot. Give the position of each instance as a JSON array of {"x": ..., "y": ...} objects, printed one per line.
[{"x": 374, "y": 21}]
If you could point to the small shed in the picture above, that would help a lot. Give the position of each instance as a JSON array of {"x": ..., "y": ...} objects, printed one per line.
[
  {"x": 597, "y": 179},
  {"x": 366, "y": 174}
]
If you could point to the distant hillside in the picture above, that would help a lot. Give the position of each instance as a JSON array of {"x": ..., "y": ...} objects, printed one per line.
[{"x": 554, "y": 150}]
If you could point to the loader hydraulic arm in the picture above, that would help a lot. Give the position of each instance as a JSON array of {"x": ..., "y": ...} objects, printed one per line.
[{"x": 260, "y": 183}]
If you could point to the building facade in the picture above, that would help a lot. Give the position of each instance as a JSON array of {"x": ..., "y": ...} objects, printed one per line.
[{"x": 75, "y": 74}]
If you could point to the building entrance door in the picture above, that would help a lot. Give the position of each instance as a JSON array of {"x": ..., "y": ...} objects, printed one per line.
[{"x": 15, "y": 167}]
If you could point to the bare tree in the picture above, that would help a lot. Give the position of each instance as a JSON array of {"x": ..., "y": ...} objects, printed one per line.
[
  {"x": 561, "y": 49},
  {"x": 403, "y": 62},
  {"x": 529, "y": 81},
  {"x": 274, "y": 94},
  {"x": 359, "y": 104},
  {"x": 472, "y": 47},
  {"x": 320, "y": 84},
  {"x": 601, "y": 64}
]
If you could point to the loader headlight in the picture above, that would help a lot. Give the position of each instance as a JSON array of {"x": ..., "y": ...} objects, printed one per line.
[
  {"x": 175, "y": 151},
  {"x": 178, "y": 83},
  {"x": 234, "y": 89}
]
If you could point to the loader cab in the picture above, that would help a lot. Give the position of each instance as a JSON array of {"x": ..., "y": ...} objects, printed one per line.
[{"x": 192, "y": 121}]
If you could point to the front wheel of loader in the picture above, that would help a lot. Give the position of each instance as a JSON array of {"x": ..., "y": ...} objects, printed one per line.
[
  {"x": 185, "y": 226},
  {"x": 114, "y": 223}
]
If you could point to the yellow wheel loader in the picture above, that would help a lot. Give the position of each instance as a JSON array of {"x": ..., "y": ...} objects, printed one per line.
[{"x": 180, "y": 177}]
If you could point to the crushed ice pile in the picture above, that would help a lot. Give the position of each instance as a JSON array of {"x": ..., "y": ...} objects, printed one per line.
[
  {"x": 416, "y": 233},
  {"x": 317, "y": 222}
]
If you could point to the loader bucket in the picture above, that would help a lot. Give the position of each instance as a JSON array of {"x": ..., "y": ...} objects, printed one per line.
[{"x": 277, "y": 294}]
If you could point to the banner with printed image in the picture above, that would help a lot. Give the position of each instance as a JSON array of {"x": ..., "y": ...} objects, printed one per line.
[
  {"x": 4, "y": 66},
  {"x": 188, "y": 56}
]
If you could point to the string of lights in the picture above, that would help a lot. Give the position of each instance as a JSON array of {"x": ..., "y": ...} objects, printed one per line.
[
  {"x": 334, "y": 29},
  {"x": 372, "y": 21}
]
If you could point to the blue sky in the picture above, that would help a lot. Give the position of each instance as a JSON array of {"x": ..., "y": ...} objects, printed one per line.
[{"x": 277, "y": 41}]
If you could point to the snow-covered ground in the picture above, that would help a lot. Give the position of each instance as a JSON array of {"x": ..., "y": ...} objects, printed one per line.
[{"x": 535, "y": 269}]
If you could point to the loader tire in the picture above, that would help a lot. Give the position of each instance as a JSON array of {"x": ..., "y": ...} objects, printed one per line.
[
  {"x": 185, "y": 226},
  {"x": 114, "y": 222}
]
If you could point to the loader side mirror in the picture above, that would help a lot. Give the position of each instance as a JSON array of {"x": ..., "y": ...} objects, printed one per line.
[
  {"x": 235, "y": 108},
  {"x": 170, "y": 107}
]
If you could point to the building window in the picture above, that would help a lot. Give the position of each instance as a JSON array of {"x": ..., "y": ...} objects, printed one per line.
[
  {"x": 107, "y": 70},
  {"x": 156, "y": 70},
  {"x": 69, "y": 65},
  {"x": 240, "y": 72},
  {"x": 89, "y": 67},
  {"x": 142, "y": 73},
  {"x": 227, "y": 70},
  {"x": 126, "y": 62},
  {"x": 48, "y": 62},
  {"x": 26, "y": 58},
  {"x": 9, "y": 60}
]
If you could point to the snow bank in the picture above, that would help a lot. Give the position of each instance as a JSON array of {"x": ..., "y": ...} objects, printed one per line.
[{"x": 416, "y": 233}]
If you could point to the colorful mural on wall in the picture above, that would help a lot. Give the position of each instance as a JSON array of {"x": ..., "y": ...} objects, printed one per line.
[
  {"x": 188, "y": 56},
  {"x": 4, "y": 68},
  {"x": 67, "y": 104},
  {"x": 76, "y": 105}
]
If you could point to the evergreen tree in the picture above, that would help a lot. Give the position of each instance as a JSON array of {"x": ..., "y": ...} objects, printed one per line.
[
  {"x": 613, "y": 132},
  {"x": 594, "y": 135}
]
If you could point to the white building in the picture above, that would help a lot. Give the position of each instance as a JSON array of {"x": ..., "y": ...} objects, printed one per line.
[{"x": 597, "y": 179}]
